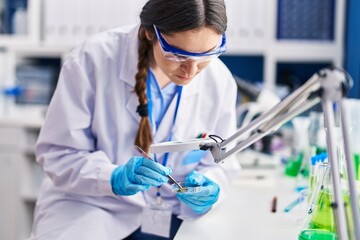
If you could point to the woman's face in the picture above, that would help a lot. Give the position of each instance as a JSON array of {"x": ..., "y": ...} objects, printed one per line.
[{"x": 199, "y": 40}]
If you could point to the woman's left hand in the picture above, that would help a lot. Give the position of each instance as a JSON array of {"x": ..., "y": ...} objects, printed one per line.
[{"x": 200, "y": 201}]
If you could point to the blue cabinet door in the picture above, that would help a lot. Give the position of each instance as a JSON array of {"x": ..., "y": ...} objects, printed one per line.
[{"x": 352, "y": 48}]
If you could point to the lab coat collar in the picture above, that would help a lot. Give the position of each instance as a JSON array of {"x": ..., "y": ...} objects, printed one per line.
[{"x": 129, "y": 58}]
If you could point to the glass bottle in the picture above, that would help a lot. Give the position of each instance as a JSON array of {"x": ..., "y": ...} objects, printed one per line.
[
  {"x": 297, "y": 165},
  {"x": 19, "y": 21},
  {"x": 315, "y": 167}
]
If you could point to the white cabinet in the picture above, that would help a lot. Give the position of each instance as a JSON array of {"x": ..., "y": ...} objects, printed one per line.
[
  {"x": 20, "y": 179},
  {"x": 57, "y": 26}
]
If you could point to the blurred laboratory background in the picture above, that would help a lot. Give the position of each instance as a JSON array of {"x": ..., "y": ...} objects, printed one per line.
[{"x": 274, "y": 46}]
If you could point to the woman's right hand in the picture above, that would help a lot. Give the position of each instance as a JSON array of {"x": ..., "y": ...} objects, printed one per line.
[{"x": 138, "y": 174}]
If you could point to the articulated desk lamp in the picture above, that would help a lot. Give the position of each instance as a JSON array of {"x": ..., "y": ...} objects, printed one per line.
[{"x": 328, "y": 86}]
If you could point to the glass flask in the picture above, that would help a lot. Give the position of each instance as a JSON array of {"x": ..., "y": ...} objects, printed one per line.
[{"x": 319, "y": 222}]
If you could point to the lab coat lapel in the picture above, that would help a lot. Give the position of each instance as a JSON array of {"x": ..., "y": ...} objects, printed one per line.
[
  {"x": 129, "y": 58},
  {"x": 132, "y": 105},
  {"x": 127, "y": 71}
]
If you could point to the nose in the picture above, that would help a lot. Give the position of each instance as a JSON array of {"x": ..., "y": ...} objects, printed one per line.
[{"x": 189, "y": 67}]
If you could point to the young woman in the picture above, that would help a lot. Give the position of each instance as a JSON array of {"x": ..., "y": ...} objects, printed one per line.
[{"x": 154, "y": 82}]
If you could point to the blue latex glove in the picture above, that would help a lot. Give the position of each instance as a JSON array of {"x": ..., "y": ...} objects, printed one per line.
[
  {"x": 138, "y": 174},
  {"x": 203, "y": 200}
]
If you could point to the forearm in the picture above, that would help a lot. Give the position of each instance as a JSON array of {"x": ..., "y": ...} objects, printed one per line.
[{"x": 80, "y": 172}]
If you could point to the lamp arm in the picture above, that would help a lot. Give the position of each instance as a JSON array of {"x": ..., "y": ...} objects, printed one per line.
[
  {"x": 299, "y": 101},
  {"x": 219, "y": 155}
]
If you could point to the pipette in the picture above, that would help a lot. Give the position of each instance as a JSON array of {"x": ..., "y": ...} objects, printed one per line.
[
  {"x": 293, "y": 204},
  {"x": 144, "y": 154}
]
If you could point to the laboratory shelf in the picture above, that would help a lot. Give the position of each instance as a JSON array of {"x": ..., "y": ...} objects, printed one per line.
[
  {"x": 7, "y": 41},
  {"x": 23, "y": 116},
  {"x": 39, "y": 50},
  {"x": 309, "y": 52}
]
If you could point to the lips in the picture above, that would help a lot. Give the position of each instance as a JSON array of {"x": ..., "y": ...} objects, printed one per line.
[{"x": 184, "y": 78}]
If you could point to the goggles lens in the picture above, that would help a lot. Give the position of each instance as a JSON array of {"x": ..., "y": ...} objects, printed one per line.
[{"x": 177, "y": 55}]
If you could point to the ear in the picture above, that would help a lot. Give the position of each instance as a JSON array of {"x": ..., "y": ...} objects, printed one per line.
[{"x": 149, "y": 35}]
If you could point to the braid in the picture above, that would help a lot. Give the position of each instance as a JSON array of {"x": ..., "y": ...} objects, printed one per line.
[{"x": 143, "y": 137}]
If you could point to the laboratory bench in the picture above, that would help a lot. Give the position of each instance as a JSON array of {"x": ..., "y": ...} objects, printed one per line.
[{"x": 246, "y": 212}]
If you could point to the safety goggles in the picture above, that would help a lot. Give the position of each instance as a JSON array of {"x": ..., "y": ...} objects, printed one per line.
[{"x": 177, "y": 55}]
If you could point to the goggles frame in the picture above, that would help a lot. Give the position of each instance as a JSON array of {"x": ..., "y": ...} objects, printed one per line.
[{"x": 178, "y": 55}]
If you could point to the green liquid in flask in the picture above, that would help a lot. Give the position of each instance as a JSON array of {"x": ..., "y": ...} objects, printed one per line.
[
  {"x": 317, "y": 234},
  {"x": 323, "y": 216}
]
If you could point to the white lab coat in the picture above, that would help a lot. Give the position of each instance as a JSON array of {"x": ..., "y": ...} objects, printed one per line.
[{"x": 90, "y": 129}]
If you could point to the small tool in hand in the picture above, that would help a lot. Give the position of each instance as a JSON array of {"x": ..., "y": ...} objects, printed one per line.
[{"x": 144, "y": 154}]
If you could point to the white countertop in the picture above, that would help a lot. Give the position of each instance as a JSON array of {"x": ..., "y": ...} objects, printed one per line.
[{"x": 246, "y": 212}]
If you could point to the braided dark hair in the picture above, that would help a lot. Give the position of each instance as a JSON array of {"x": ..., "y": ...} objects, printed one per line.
[
  {"x": 170, "y": 16},
  {"x": 143, "y": 137}
]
